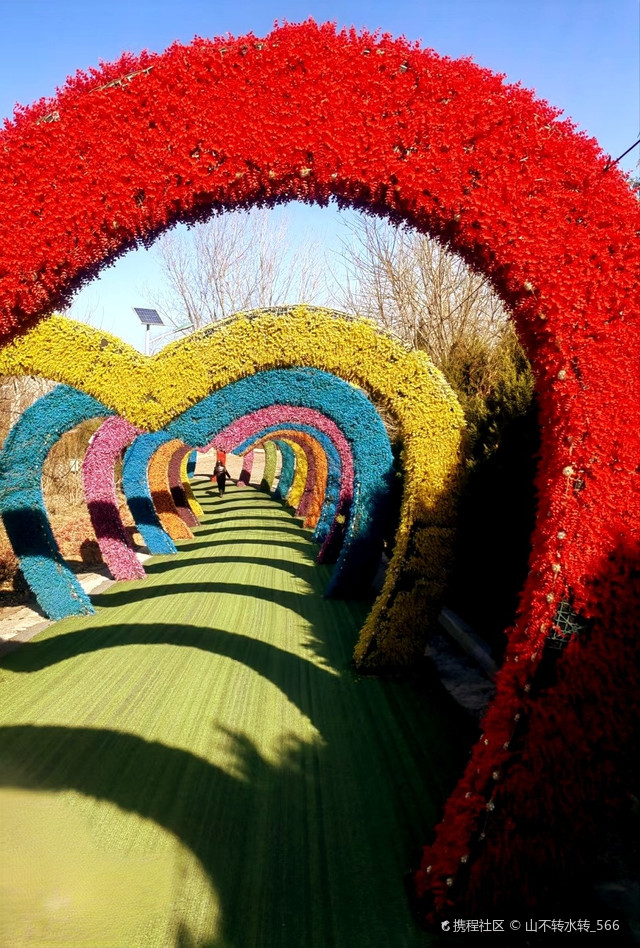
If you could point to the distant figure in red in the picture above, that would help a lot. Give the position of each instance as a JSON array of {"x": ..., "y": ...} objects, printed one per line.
[{"x": 221, "y": 474}]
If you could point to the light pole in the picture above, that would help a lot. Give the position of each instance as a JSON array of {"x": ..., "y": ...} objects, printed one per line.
[
  {"x": 172, "y": 331},
  {"x": 148, "y": 318}
]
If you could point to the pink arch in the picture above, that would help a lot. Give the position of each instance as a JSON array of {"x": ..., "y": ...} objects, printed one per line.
[
  {"x": 104, "y": 449},
  {"x": 245, "y": 474},
  {"x": 255, "y": 421}
]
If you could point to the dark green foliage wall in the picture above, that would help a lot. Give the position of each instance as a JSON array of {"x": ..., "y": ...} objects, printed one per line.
[{"x": 497, "y": 509}]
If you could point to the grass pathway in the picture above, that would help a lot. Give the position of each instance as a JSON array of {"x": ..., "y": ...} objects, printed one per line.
[{"x": 196, "y": 765}]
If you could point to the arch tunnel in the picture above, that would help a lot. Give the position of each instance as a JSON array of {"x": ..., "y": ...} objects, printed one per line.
[
  {"x": 430, "y": 423},
  {"x": 334, "y": 434}
]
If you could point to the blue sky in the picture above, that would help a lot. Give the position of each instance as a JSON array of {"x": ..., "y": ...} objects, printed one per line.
[{"x": 580, "y": 55}]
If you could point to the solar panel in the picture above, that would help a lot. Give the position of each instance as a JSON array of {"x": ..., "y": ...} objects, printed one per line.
[{"x": 150, "y": 317}]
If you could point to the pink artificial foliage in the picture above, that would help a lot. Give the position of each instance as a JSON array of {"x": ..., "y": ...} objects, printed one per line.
[
  {"x": 115, "y": 544},
  {"x": 257, "y": 421},
  {"x": 245, "y": 474}
]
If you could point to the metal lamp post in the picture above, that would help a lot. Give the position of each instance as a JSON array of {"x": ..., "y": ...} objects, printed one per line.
[{"x": 148, "y": 318}]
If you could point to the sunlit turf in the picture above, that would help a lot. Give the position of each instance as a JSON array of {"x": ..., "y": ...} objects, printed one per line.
[{"x": 196, "y": 764}]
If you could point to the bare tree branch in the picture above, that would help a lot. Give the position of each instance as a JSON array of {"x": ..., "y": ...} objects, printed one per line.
[
  {"x": 233, "y": 262},
  {"x": 414, "y": 287}
]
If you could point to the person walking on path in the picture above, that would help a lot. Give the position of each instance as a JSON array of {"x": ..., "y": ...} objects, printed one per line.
[{"x": 221, "y": 474}]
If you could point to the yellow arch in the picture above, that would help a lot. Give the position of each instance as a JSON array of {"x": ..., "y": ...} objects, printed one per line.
[
  {"x": 154, "y": 390},
  {"x": 301, "y": 472},
  {"x": 186, "y": 486},
  {"x": 320, "y": 482}
]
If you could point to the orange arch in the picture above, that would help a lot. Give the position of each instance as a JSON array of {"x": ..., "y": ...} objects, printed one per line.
[{"x": 169, "y": 517}]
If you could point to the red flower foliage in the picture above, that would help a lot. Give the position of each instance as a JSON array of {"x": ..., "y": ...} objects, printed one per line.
[{"x": 448, "y": 147}]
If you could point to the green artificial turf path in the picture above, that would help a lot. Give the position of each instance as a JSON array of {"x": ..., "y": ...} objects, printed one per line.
[{"x": 196, "y": 763}]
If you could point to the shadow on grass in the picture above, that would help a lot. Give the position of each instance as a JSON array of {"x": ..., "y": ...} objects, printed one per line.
[
  {"x": 244, "y": 525},
  {"x": 113, "y": 598},
  {"x": 304, "y": 547},
  {"x": 231, "y": 504},
  {"x": 309, "y": 850},
  {"x": 294, "y": 676},
  {"x": 306, "y": 572},
  {"x": 306, "y": 848},
  {"x": 212, "y": 813}
]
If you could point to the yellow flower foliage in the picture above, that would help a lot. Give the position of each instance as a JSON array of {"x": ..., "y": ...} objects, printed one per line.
[
  {"x": 270, "y": 462},
  {"x": 151, "y": 391},
  {"x": 299, "y": 482},
  {"x": 191, "y": 500},
  {"x": 167, "y": 512}
]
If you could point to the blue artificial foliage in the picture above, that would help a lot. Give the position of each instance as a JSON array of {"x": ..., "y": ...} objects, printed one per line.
[
  {"x": 135, "y": 484},
  {"x": 25, "y": 518},
  {"x": 361, "y": 425},
  {"x": 334, "y": 473},
  {"x": 191, "y": 464},
  {"x": 287, "y": 469}
]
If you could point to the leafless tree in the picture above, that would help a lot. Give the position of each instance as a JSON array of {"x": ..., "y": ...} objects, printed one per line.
[
  {"x": 86, "y": 310},
  {"x": 414, "y": 287},
  {"x": 17, "y": 393},
  {"x": 233, "y": 262}
]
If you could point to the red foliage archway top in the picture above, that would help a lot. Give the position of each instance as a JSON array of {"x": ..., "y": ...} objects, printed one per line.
[{"x": 307, "y": 114}]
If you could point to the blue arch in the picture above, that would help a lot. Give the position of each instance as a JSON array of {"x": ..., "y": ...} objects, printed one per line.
[
  {"x": 24, "y": 514},
  {"x": 135, "y": 484},
  {"x": 361, "y": 425},
  {"x": 334, "y": 472},
  {"x": 287, "y": 470},
  {"x": 191, "y": 464}
]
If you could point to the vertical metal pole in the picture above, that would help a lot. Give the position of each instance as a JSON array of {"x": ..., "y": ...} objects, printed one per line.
[{"x": 146, "y": 340}]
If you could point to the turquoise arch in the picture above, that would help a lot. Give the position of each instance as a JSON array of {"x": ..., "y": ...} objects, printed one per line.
[
  {"x": 362, "y": 427},
  {"x": 22, "y": 506}
]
